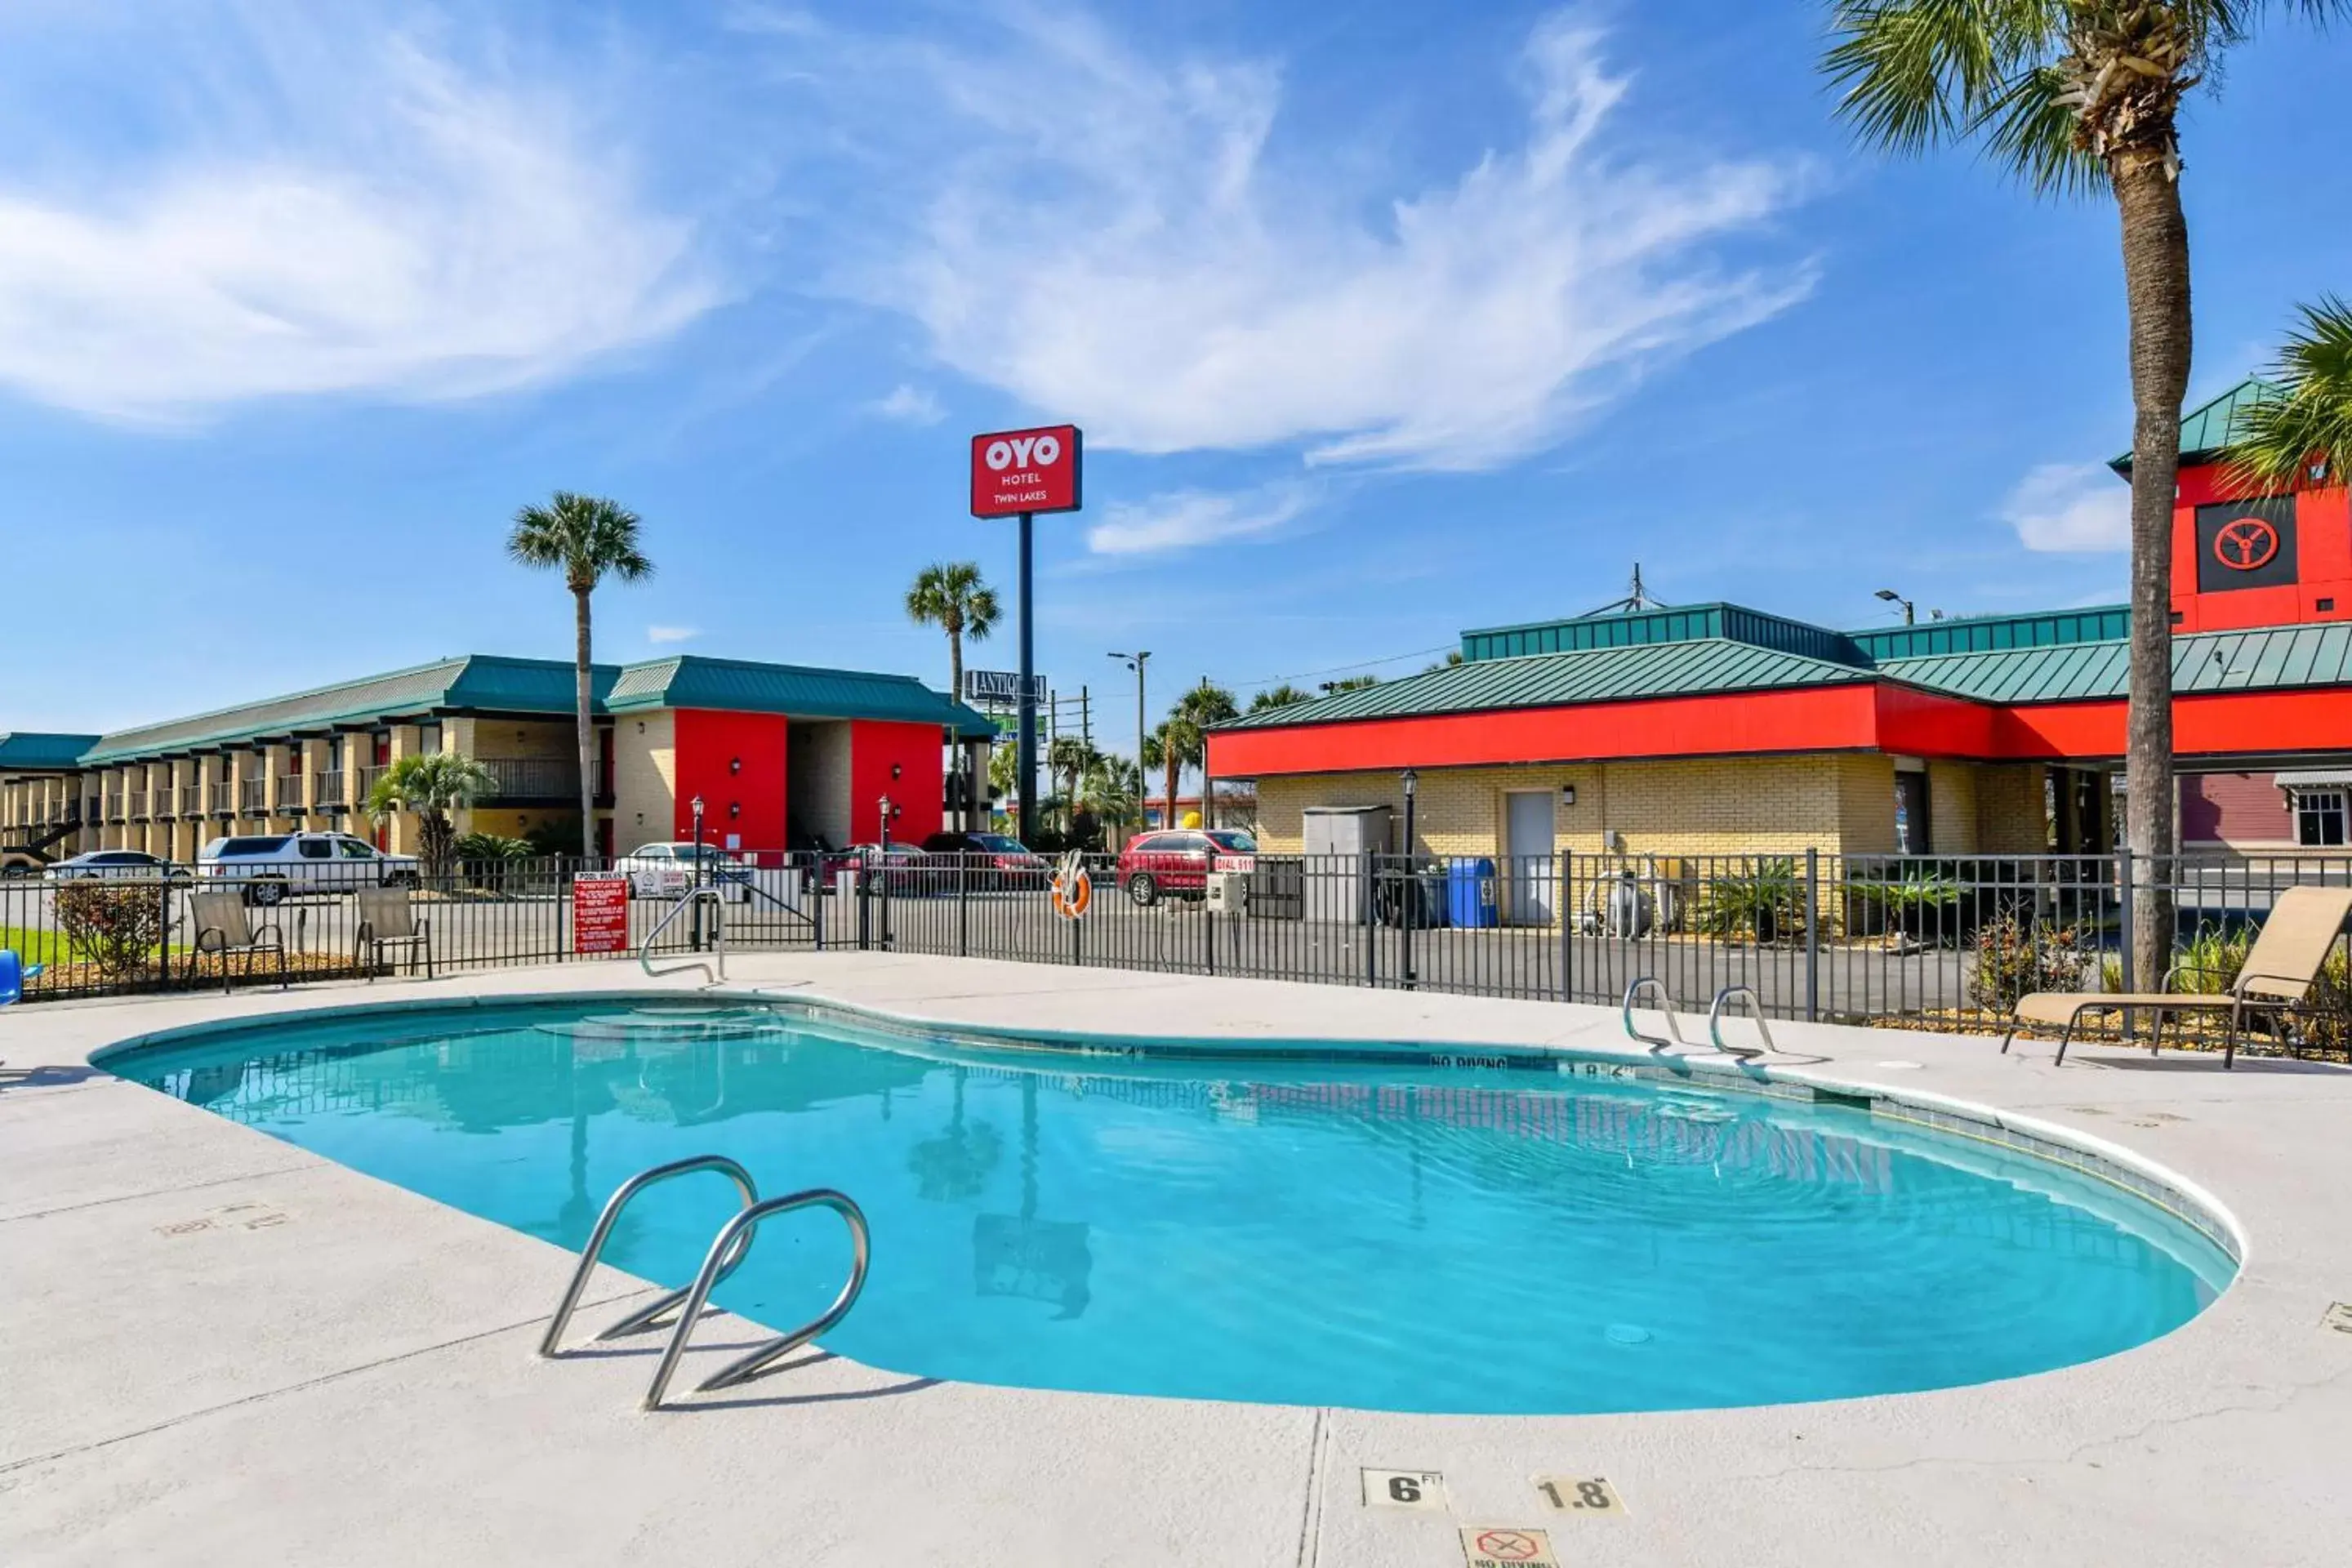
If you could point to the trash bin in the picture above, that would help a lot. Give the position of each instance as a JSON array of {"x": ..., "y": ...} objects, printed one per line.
[
  {"x": 1470, "y": 893},
  {"x": 1418, "y": 889}
]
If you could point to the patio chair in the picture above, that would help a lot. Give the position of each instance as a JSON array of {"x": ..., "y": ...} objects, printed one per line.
[
  {"x": 13, "y": 974},
  {"x": 386, "y": 919},
  {"x": 2276, "y": 977},
  {"x": 224, "y": 926}
]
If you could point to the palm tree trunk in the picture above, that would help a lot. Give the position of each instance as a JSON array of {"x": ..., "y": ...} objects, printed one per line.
[
  {"x": 2156, "y": 285},
  {"x": 1167, "y": 815},
  {"x": 582, "y": 675},
  {"x": 955, "y": 664}
]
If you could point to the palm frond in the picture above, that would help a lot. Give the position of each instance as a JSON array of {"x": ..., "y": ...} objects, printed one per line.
[
  {"x": 2032, "y": 127},
  {"x": 2283, "y": 440},
  {"x": 588, "y": 538},
  {"x": 1918, "y": 74}
]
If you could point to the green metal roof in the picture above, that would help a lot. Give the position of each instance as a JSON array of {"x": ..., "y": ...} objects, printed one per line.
[
  {"x": 488, "y": 683},
  {"x": 2206, "y": 429},
  {"x": 1545, "y": 681},
  {"x": 2264, "y": 658},
  {"x": 30, "y": 750},
  {"x": 1680, "y": 622},
  {"x": 740, "y": 686},
  {"x": 1986, "y": 634},
  {"x": 477, "y": 682}
]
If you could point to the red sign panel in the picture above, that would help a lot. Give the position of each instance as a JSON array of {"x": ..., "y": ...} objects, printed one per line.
[
  {"x": 600, "y": 912},
  {"x": 1014, "y": 471}
]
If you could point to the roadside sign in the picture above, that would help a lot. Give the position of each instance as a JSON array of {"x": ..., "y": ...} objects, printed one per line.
[
  {"x": 1017, "y": 471},
  {"x": 600, "y": 911},
  {"x": 1493, "y": 1546},
  {"x": 998, "y": 686}
]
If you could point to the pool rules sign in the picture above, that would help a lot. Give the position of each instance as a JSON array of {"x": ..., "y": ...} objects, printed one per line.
[{"x": 1017, "y": 471}]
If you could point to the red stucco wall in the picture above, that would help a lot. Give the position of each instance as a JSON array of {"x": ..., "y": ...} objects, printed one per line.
[
  {"x": 708, "y": 744},
  {"x": 914, "y": 749},
  {"x": 2234, "y": 808}
]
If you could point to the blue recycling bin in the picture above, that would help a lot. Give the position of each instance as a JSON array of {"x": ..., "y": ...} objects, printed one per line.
[{"x": 1470, "y": 893}]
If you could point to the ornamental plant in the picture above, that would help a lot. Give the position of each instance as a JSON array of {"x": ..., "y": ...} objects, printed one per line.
[{"x": 117, "y": 926}]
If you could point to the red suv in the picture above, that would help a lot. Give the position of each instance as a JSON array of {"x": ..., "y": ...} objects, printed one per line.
[{"x": 1178, "y": 862}]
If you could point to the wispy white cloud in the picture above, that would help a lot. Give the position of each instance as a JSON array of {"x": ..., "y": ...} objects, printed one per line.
[
  {"x": 326, "y": 205},
  {"x": 2070, "y": 508},
  {"x": 672, "y": 634},
  {"x": 1184, "y": 519},
  {"x": 909, "y": 405},
  {"x": 1161, "y": 279}
]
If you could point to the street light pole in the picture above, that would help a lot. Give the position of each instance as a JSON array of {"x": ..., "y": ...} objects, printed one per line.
[
  {"x": 1410, "y": 912},
  {"x": 1136, "y": 661},
  {"x": 697, "y": 805},
  {"x": 1892, "y": 598}
]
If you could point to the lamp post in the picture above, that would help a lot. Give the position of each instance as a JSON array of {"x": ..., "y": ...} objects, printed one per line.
[
  {"x": 1411, "y": 910},
  {"x": 1136, "y": 661},
  {"x": 1892, "y": 598},
  {"x": 695, "y": 805}
]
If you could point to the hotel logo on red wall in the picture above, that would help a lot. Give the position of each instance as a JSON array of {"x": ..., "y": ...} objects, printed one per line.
[{"x": 1014, "y": 471}]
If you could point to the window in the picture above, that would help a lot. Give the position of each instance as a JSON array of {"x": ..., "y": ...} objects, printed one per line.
[
  {"x": 314, "y": 848},
  {"x": 2319, "y": 817},
  {"x": 428, "y": 739},
  {"x": 1233, "y": 840},
  {"x": 354, "y": 849},
  {"x": 270, "y": 844}
]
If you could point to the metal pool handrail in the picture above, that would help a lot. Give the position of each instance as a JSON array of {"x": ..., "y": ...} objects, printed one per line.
[
  {"x": 628, "y": 1190},
  {"x": 715, "y": 1267},
  {"x": 686, "y": 901},
  {"x": 1666, "y": 1004},
  {"x": 1763, "y": 1029}
]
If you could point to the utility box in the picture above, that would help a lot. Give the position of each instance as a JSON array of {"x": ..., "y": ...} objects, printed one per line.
[
  {"x": 1340, "y": 841},
  {"x": 1228, "y": 892}
]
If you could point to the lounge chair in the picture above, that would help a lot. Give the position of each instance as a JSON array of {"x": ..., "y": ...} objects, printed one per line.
[
  {"x": 2276, "y": 977},
  {"x": 386, "y": 919},
  {"x": 222, "y": 926}
]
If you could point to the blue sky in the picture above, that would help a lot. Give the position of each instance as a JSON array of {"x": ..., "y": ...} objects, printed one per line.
[{"x": 1383, "y": 321}]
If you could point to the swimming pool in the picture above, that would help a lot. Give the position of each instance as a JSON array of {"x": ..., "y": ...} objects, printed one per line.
[{"x": 1398, "y": 1235}]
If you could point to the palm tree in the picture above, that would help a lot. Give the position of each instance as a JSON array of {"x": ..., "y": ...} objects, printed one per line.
[
  {"x": 2304, "y": 435},
  {"x": 1066, "y": 759},
  {"x": 585, "y": 537},
  {"x": 2076, "y": 97},
  {"x": 1350, "y": 683},
  {"x": 432, "y": 786},
  {"x": 1283, "y": 696},
  {"x": 951, "y": 595},
  {"x": 1181, "y": 741}
]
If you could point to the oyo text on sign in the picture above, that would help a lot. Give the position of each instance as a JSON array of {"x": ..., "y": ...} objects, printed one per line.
[{"x": 1014, "y": 471}]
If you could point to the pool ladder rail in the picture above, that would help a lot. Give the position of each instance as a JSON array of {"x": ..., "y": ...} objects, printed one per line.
[
  {"x": 688, "y": 899},
  {"x": 727, "y": 1250},
  {"x": 1714, "y": 1013}
]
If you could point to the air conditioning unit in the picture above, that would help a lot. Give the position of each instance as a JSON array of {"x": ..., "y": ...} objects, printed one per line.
[{"x": 1228, "y": 892}]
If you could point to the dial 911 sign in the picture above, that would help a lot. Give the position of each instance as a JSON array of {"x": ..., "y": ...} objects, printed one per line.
[{"x": 1014, "y": 471}]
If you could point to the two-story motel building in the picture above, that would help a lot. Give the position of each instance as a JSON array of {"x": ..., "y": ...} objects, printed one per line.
[{"x": 783, "y": 756}]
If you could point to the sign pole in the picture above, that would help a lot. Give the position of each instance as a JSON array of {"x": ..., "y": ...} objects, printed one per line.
[{"x": 1026, "y": 757}]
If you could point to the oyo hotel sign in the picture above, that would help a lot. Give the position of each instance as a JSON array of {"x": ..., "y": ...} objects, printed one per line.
[{"x": 1014, "y": 471}]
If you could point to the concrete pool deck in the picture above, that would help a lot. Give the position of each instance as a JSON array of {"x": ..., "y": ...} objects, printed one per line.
[{"x": 215, "y": 1347}]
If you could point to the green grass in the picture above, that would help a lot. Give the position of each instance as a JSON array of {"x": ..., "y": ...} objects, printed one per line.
[{"x": 37, "y": 946}]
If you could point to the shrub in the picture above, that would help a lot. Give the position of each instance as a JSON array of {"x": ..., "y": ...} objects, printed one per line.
[
  {"x": 1764, "y": 901},
  {"x": 2209, "y": 961},
  {"x": 117, "y": 926},
  {"x": 557, "y": 835},
  {"x": 2016, "y": 956},
  {"x": 483, "y": 857},
  {"x": 1913, "y": 903}
]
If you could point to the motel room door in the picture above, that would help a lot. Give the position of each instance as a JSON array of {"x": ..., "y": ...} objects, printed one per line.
[{"x": 1527, "y": 870}]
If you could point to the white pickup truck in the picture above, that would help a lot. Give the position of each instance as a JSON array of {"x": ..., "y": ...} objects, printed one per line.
[{"x": 272, "y": 867}]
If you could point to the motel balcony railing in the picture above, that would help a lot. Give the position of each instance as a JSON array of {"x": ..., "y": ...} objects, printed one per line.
[
  {"x": 137, "y": 806},
  {"x": 368, "y": 777},
  {"x": 222, "y": 798},
  {"x": 331, "y": 789},
  {"x": 192, "y": 800},
  {"x": 253, "y": 797},
  {"x": 292, "y": 801},
  {"x": 533, "y": 778},
  {"x": 114, "y": 806}
]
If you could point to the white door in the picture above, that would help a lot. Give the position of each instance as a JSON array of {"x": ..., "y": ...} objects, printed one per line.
[{"x": 1528, "y": 853}]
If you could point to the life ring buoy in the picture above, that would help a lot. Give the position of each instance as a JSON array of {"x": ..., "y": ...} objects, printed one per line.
[{"x": 1073, "y": 888}]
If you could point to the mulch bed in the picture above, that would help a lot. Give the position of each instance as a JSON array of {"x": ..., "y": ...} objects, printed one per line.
[{"x": 86, "y": 978}]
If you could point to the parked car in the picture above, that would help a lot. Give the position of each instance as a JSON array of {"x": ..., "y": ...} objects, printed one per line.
[
  {"x": 667, "y": 871},
  {"x": 272, "y": 867},
  {"x": 1177, "y": 862},
  {"x": 117, "y": 866},
  {"x": 989, "y": 860},
  {"x": 900, "y": 870}
]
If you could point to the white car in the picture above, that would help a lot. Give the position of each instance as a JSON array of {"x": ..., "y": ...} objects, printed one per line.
[
  {"x": 270, "y": 866},
  {"x": 667, "y": 871},
  {"x": 116, "y": 866}
]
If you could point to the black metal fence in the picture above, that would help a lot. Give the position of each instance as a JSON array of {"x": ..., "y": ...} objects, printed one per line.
[{"x": 1938, "y": 943}]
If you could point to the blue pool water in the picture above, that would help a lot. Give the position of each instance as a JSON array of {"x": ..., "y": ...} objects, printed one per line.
[{"x": 1398, "y": 1236}]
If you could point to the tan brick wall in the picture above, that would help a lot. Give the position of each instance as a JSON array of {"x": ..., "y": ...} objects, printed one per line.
[
  {"x": 2013, "y": 809},
  {"x": 1709, "y": 805},
  {"x": 644, "y": 778}
]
